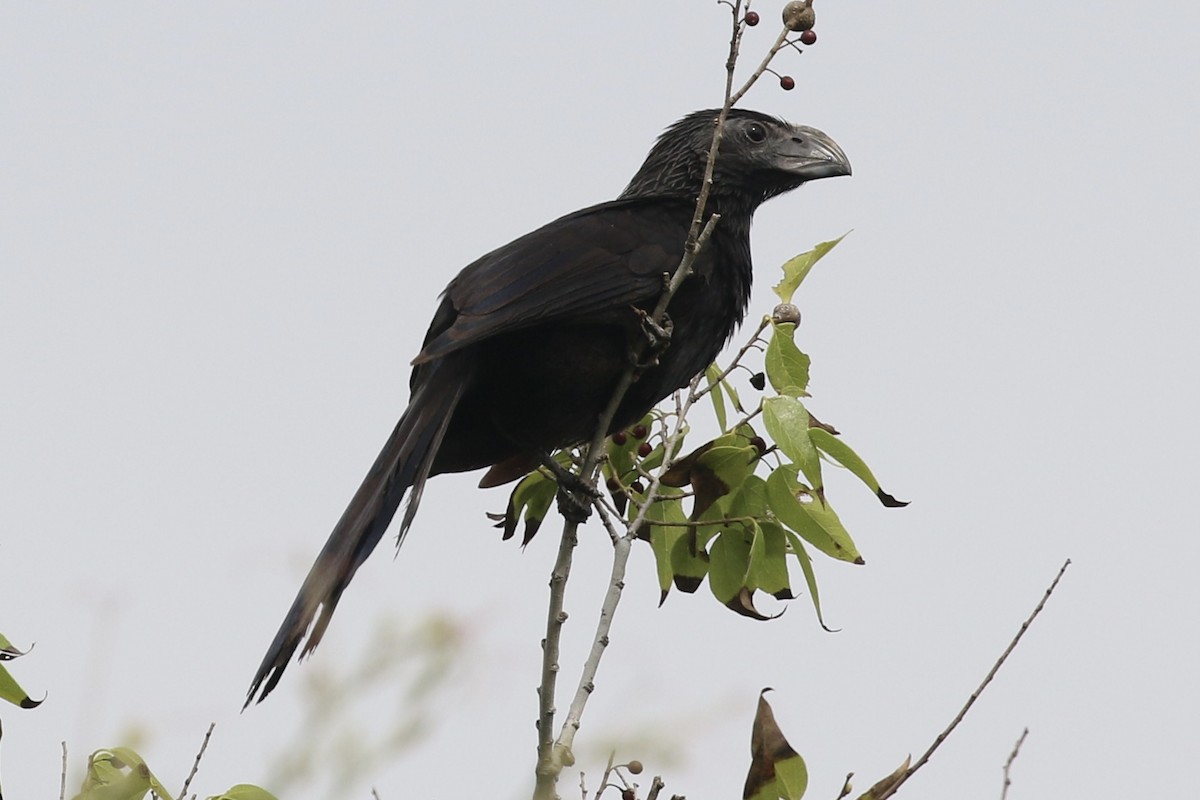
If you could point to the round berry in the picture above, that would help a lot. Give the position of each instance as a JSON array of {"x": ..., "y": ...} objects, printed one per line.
[
  {"x": 787, "y": 82},
  {"x": 784, "y": 313},
  {"x": 808, "y": 37},
  {"x": 639, "y": 431},
  {"x": 620, "y": 438},
  {"x": 628, "y": 794},
  {"x": 644, "y": 449},
  {"x": 637, "y": 486},
  {"x": 760, "y": 444},
  {"x": 613, "y": 485},
  {"x": 635, "y": 767},
  {"x": 758, "y": 381},
  {"x": 751, "y": 20}
]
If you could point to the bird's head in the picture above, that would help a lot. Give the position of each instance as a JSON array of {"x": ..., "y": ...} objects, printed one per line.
[{"x": 761, "y": 156}]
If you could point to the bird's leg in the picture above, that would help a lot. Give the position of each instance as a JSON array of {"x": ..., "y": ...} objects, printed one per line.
[
  {"x": 575, "y": 495},
  {"x": 658, "y": 338}
]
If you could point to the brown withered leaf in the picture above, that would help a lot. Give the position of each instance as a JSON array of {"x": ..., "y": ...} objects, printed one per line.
[
  {"x": 776, "y": 770},
  {"x": 743, "y": 603},
  {"x": 889, "y": 783},
  {"x": 680, "y": 473},
  {"x": 889, "y": 501}
]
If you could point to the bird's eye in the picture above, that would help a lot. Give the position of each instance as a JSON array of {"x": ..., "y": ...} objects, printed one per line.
[{"x": 756, "y": 132}]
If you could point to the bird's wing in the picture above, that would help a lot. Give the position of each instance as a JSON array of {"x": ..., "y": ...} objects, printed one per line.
[{"x": 581, "y": 266}]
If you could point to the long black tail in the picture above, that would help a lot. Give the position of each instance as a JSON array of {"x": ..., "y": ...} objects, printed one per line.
[{"x": 404, "y": 462}]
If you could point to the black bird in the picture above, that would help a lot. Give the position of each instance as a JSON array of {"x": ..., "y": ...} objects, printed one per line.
[{"x": 529, "y": 341}]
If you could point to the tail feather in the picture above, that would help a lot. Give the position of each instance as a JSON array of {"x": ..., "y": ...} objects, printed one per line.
[{"x": 404, "y": 462}]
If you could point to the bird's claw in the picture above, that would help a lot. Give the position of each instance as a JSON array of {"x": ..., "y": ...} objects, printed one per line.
[
  {"x": 658, "y": 335},
  {"x": 658, "y": 338},
  {"x": 575, "y": 495}
]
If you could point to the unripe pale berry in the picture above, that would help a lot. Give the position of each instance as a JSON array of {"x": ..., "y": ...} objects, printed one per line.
[
  {"x": 798, "y": 15},
  {"x": 785, "y": 312}
]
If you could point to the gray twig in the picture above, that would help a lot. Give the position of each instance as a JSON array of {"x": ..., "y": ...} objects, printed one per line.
[
  {"x": 941, "y": 737},
  {"x": 62, "y": 781},
  {"x": 1009, "y": 762},
  {"x": 196, "y": 764}
]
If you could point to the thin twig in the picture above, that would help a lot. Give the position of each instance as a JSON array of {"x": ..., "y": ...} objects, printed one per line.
[
  {"x": 547, "y": 769},
  {"x": 607, "y": 513},
  {"x": 656, "y": 786},
  {"x": 780, "y": 43},
  {"x": 375, "y": 793},
  {"x": 737, "y": 359},
  {"x": 616, "y": 584},
  {"x": 196, "y": 764},
  {"x": 941, "y": 737},
  {"x": 1009, "y": 762},
  {"x": 62, "y": 781}
]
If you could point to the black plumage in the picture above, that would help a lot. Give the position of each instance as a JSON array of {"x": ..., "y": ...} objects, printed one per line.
[{"x": 528, "y": 342}]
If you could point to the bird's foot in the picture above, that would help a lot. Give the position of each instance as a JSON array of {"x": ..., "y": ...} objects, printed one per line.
[
  {"x": 658, "y": 338},
  {"x": 575, "y": 495}
]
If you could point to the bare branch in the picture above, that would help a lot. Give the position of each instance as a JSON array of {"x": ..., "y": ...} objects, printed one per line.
[
  {"x": 1008, "y": 763},
  {"x": 62, "y": 783},
  {"x": 941, "y": 737},
  {"x": 737, "y": 359},
  {"x": 196, "y": 764}
]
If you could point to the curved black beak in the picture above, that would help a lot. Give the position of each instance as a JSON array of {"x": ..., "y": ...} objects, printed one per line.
[{"x": 811, "y": 154}]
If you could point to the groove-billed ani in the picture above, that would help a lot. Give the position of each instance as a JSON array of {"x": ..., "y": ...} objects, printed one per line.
[{"x": 529, "y": 341}]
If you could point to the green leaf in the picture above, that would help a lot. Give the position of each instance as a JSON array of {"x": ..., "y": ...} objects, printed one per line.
[
  {"x": 10, "y": 690},
  {"x": 786, "y": 420},
  {"x": 245, "y": 791},
  {"x": 532, "y": 497},
  {"x": 787, "y": 367},
  {"x": 713, "y": 374},
  {"x": 733, "y": 397},
  {"x": 810, "y": 577},
  {"x": 796, "y": 269},
  {"x": 768, "y": 564},
  {"x": 816, "y": 523},
  {"x": 730, "y": 464},
  {"x": 119, "y": 774},
  {"x": 842, "y": 453},
  {"x": 663, "y": 537},
  {"x": 729, "y": 562}
]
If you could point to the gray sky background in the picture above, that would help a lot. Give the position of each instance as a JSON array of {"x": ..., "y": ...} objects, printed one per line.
[{"x": 223, "y": 228}]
